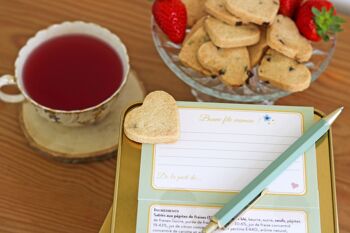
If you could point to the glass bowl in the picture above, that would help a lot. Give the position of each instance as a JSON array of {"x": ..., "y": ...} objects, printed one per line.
[{"x": 213, "y": 90}]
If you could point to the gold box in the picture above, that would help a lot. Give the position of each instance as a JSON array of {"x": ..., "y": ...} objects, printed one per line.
[{"x": 122, "y": 216}]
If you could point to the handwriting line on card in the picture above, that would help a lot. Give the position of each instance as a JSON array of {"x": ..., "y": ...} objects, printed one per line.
[
  {"x": 195, "y": 157},
  {"x": 206, "y": 149},
  {"x": 241, "y": 142},
  {"x": 208, "y": 166},
  {"x": 240, "y": 134}
]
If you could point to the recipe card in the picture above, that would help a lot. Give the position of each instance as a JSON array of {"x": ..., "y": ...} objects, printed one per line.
[
  {"x": 220, "y": 150},
  {"x": 217, "y": 144}
]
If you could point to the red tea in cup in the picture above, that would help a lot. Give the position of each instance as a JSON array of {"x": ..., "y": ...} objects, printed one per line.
[{"x": 72, "y": 72}]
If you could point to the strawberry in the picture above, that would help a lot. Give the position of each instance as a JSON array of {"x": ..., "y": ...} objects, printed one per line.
[
  {"x": 288, "y": 7},
  {"x": 171, "y": 17},
  {"x": 316, "y": 20}
]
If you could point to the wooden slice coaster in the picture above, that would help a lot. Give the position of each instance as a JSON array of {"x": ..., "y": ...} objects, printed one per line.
[{"x": 80, "y": 144}]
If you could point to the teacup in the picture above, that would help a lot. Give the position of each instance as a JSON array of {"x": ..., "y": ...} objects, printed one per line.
[{"x": 76, "y": 117}]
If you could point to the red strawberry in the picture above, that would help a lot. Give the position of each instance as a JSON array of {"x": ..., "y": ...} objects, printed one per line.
[
  {"x": 316, "y": 20},
  {"x": 288, "y": 7},
  {"x": 171, "y": 16}
]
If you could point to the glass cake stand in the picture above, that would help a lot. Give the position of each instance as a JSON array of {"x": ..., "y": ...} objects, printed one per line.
[{"x": 210, "y": 89}]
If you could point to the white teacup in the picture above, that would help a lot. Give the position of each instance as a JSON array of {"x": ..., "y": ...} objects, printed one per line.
[{"x": 74, "y": 117}]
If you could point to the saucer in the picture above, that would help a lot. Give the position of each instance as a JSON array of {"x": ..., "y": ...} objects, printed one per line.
[{"x": 80, "y": 144}]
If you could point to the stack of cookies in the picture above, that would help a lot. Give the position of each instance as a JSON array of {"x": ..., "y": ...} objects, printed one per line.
[{"x": 236, "y": 35}]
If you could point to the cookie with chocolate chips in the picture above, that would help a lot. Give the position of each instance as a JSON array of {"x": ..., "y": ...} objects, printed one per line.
[
  {"x": 254, "y": 11},
  {"x": 284, "y": 72},
  {"x": 188, "y": 52},
  {"x": 231, "y": 65},
  {"x": 283, "y": 36},
  {"x": 224, "y": 35},
  {"x": 217, "y": 9}
]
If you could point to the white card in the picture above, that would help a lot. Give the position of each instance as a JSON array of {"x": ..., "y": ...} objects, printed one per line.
[
  {"x": 223, "y": 150},
  {"x": 192, "y": 219}
]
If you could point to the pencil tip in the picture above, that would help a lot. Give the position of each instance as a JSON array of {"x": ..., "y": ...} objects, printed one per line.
[
  {"x": 333, "y": 116},
  {"x": 211, "y": 227}
]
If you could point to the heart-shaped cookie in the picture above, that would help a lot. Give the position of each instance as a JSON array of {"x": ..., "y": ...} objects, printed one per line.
[
  {"x": 224, "y": 35},
  {"x": 217, "y": 9},
  {"x": 259, "y": 12},
  {"x": 283, "y": 72},
  {"x": 232, "y": 65},
  {"x": 188, "y": 52},
  {"x": 156, "y": 121},
  {"x": 283, "y": 36}
]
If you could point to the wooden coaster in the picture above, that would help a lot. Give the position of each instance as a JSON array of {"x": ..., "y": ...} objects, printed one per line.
[{"x": 80, "y": 144}]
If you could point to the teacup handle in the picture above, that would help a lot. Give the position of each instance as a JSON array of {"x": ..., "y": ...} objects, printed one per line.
[{"x": 7, "y": 80}]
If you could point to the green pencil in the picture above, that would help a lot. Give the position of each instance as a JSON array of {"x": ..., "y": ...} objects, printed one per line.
[{"x": 254, "y": 189}]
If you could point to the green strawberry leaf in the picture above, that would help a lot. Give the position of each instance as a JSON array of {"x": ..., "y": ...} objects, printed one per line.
[
  {"x": 315, "y": 11},
  {"x": 326, "y": 22}
]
